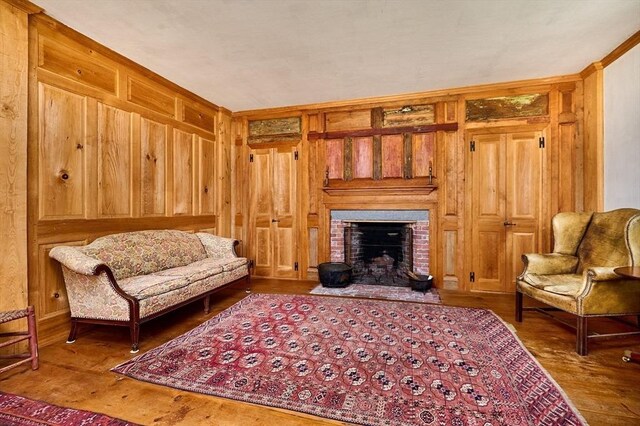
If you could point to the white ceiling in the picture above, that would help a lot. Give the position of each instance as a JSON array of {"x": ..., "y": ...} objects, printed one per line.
[{"x": 249, "y": 54}]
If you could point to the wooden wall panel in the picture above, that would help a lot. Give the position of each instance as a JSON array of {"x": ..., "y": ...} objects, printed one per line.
[
  {"x": 362, "y": 157},
  {"x": 423, "y": 145},
  {"x": 392, "y": 156},
  {"x": 149, "y": 97},
  {"x": 451, "y": 170},
  {"x": 84, "y": 67},
  {"x": 13, "y": 164},
  {"x": 182, "y": 173},
  {"x": 54, "y": 294},
  {"x": 62, "y": 154},
  {"x": 566, "y": 180},
  {"x": 313, "y": 248},
  {"x": 224, "y": 197},
  {"x": 449, "y": 253},
  {"x": 593, "y": 168},
  {"x": 114, "y": 162},
  {"x": 334, "y": 155},
  {"x": 206, "y": 186},
  {"x": 153, "y": 156},
  {"x": 348, "y": 120},
  {"x": 198, "y": 117}
]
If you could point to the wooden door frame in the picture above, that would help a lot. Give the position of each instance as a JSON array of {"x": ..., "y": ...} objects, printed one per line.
[{"x": 545, "y": 197}]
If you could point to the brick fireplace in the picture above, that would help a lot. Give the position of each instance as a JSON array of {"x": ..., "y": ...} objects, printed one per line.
[{"x": 403, "y": 243}]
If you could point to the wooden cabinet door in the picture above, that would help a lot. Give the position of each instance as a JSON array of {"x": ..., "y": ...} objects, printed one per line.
[
  {"x": 505, "y": 192},
  {"x": 273, "y": 206},
  {"x": 261, "y": 211}
]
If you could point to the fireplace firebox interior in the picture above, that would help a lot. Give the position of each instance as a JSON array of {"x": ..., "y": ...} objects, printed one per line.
[{"x": 380, "y": 253}]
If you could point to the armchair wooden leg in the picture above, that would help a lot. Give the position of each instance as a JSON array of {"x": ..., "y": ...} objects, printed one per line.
[
  {"x": 518, "y": 306},
  {"x": 582, "y": 336}
]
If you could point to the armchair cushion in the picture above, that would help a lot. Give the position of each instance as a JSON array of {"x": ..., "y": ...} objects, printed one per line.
[{"x": 566, "y": 284}]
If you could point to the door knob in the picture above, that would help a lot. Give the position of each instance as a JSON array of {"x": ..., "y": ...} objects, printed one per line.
[{"x": 508, "y": 223}]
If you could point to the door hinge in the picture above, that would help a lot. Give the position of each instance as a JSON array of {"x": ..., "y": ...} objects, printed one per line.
[
  {"x": 541, "y": 142},
  {"x": 295, "y": 266},
  {"x": 472, "y": 277},
  {"x": 251, "y": 158},
  {"x": 472, "y": 146},
  {"x": 295, "y": 155}
]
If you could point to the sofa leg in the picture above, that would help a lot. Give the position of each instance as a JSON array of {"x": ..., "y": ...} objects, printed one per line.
[
  {"x": 582, "y": 336},
  {"x": 134, "y": 329},
  {"x": 74, "y": 330},
  {"x": 207, "y": 303},
  {"x": 518, "y": 306}
]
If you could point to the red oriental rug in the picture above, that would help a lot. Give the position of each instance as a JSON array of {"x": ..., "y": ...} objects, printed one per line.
[
  {"x": 20, "y": 411},
  {"x": 362, "y": 361}
]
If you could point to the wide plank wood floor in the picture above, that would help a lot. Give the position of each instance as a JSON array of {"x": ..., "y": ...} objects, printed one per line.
[{"x": 605, "y": 389}]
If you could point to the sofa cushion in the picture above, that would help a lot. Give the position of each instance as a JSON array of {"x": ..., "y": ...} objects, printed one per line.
[
  {"x": 144, "y": 252},
  {"x": 194, "y": 271},
  {"x": 144, "y": 286},
  {"x": 204, "y": 268}
]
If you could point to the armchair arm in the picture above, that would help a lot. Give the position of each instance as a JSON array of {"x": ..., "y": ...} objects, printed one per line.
[
  {"x": 218, "y": 247},
  {"x": 549, "y": 263},
  {"x": 76, "y": 261},
  {"x": 602, "y": 273},
  {"x": 607, "y": 293}
]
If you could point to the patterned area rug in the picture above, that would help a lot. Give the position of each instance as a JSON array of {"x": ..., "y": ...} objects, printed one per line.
[
  {"x": 365, "y": 291},
  {"x": 20, "y": 411},
  {"x": 362, "y": 361}
]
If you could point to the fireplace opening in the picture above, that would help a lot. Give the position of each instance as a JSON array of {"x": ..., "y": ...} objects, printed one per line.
[{"x": 379, "y": 253}]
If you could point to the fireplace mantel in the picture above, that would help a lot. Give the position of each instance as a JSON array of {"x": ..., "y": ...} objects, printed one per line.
[{"x": 416, "y": 186}]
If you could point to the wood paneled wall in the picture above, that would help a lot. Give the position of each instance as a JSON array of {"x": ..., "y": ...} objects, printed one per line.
[
  {"x": 376, "y": 154},
  {"x": 113, "y": 148},
  {"x": 13, "y": 160}
]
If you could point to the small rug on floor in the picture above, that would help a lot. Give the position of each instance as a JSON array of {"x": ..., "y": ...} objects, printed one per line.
[
  {"x": 362, "y": 361},
  {"x": 404, "y": 294},
  {"x": 20, "y": 411}
]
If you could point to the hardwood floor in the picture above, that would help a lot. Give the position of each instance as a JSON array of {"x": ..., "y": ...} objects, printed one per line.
[{"x": 604, "y": 388}]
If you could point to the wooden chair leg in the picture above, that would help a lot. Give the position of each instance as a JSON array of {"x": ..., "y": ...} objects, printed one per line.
[
  {"x": 582, "y": 336},
  {"x": 518, "y": 306},
  {"x": 33, "y": 337}
]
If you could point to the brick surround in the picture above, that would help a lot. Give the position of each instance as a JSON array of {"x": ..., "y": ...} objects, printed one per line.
[{"x": 420, "y": 243}]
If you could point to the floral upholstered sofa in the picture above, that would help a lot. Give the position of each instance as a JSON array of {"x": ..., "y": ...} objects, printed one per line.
[{"x": 129, "y": 278}]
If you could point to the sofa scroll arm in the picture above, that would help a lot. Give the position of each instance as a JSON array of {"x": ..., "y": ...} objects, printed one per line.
[{"x": 218, "y": 247}]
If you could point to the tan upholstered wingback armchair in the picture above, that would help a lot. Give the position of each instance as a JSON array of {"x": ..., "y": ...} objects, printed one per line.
[{"x": 578, "y": 276}]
